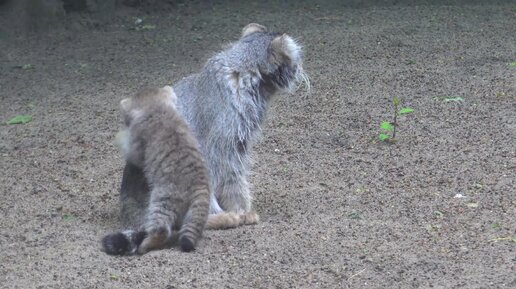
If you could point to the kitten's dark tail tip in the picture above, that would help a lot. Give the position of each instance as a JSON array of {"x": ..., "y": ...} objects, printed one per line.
[
  {"x": 186, "y": 244},
  {"x": 116, "y": 244}
]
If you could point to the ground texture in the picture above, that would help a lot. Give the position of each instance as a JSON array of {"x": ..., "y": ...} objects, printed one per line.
[{"x": 339, "y": 209}]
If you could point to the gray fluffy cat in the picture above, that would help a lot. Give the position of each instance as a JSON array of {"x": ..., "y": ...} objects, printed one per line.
[
  {"x": 158, "y": 141},
  {"x": 224, "y": 105}
]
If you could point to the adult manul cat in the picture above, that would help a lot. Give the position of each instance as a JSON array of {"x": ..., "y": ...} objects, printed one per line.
[{"x": 224, "y": 105}]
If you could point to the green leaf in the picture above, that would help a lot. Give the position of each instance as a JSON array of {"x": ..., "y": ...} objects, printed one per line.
[
  {"x": 510, "y": 239},
  {"x": 387, "y": 126},
  {"x": 396, "y": 101},
  {"x": 454, "y": 99},
  {"x": 406, "y": 110},
  {"x": 512, "y": 64},
  {"x": 20, "y": 119},
  {"x": 384, "y": 137},
  {"x": 67, "y": 217}
]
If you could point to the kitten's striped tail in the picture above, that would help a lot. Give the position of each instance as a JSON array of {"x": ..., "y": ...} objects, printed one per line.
[
  {"x": 123, "y": 243},
  {"x": 227, "y": 220}
]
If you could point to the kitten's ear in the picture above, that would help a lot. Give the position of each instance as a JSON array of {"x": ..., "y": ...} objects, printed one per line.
[
  {"x": 170, "y": 92},
  {"x": 125, "y": 104},
  {"x": 252, "y": 28},
  {"x": 171, "y": 95},
  {"x": 284, "y": 49}
]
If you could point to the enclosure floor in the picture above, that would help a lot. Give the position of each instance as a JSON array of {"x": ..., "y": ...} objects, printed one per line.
[{"x": 339, "y": 209}]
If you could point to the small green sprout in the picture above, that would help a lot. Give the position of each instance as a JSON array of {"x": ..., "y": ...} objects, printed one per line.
[
  {"x": 510, "y": 239},
  {"x": 20, "y": 119},
  {"x": 439, "y": 214},
  {"x": 354, "y": 216},
  {"x": 390, "y": 127},
  {"x": 68, "y": 217},
  {"x": 27, "y": 66},
  {"x": 114, "y": 277}
]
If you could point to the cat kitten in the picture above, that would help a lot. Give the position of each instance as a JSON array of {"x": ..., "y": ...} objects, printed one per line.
[
  {"x": 159, "y": 142},
  {"x": 225, "y": 105}
]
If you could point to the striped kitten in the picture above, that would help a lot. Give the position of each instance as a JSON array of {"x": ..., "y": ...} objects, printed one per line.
[{"x": 159, "y": 141}]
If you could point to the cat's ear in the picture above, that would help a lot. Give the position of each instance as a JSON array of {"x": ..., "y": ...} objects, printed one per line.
[
  {"x": 169, "y": 90},
  {"x": 125, "y": 104},
  {"x": 252, "y": 28},
  {"x": 171, "y": 97},
  {"x": 284, "y": 49}
]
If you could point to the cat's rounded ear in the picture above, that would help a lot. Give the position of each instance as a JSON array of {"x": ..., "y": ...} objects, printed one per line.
[
  {"x": 125, "y": 104},
  {"x": 252, "y": 28},
  {"x": 285, "y": 49},
  {"x": 169, "y": 90},
  {"x": 171, "y": 95}
]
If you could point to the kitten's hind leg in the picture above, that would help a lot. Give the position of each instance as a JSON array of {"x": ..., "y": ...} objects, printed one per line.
[
  {"x": 134, "y": 196},
  {"x": 194, "y": 223},
  {"x": 160, "y": 222}
]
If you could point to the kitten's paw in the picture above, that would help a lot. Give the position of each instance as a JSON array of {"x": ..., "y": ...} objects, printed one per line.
[
  {"x": 154, "y": 240},
  {"x": 186, "y": 244}
]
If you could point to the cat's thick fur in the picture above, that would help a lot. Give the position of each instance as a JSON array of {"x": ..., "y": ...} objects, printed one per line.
[
  {"x": 158, "y": 141},
  {"x": 225, "y": 105}
]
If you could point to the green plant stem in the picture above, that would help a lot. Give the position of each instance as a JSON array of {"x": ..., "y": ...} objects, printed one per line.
[{"x": 395, "y": 122}]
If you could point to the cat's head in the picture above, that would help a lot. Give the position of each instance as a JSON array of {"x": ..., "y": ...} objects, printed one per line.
[
  {"x": 136, "y": 107},
  {"x": 278, "y": 58}
]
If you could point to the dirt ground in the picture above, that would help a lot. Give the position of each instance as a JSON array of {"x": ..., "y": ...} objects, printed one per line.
[{"x": 339, "y": 209}]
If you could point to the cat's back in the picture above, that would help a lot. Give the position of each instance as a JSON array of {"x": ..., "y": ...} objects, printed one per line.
[
  {"x": 172, "y": 151},
  {"x": 200, "y": 103}
]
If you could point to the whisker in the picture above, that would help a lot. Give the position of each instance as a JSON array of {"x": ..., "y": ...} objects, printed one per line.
[
  {"x": 300, "y": 79},
  {"x": 304, "y": 79}
]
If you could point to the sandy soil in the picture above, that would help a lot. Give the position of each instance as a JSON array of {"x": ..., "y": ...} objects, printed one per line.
[{"x": 339, "y": 209}]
